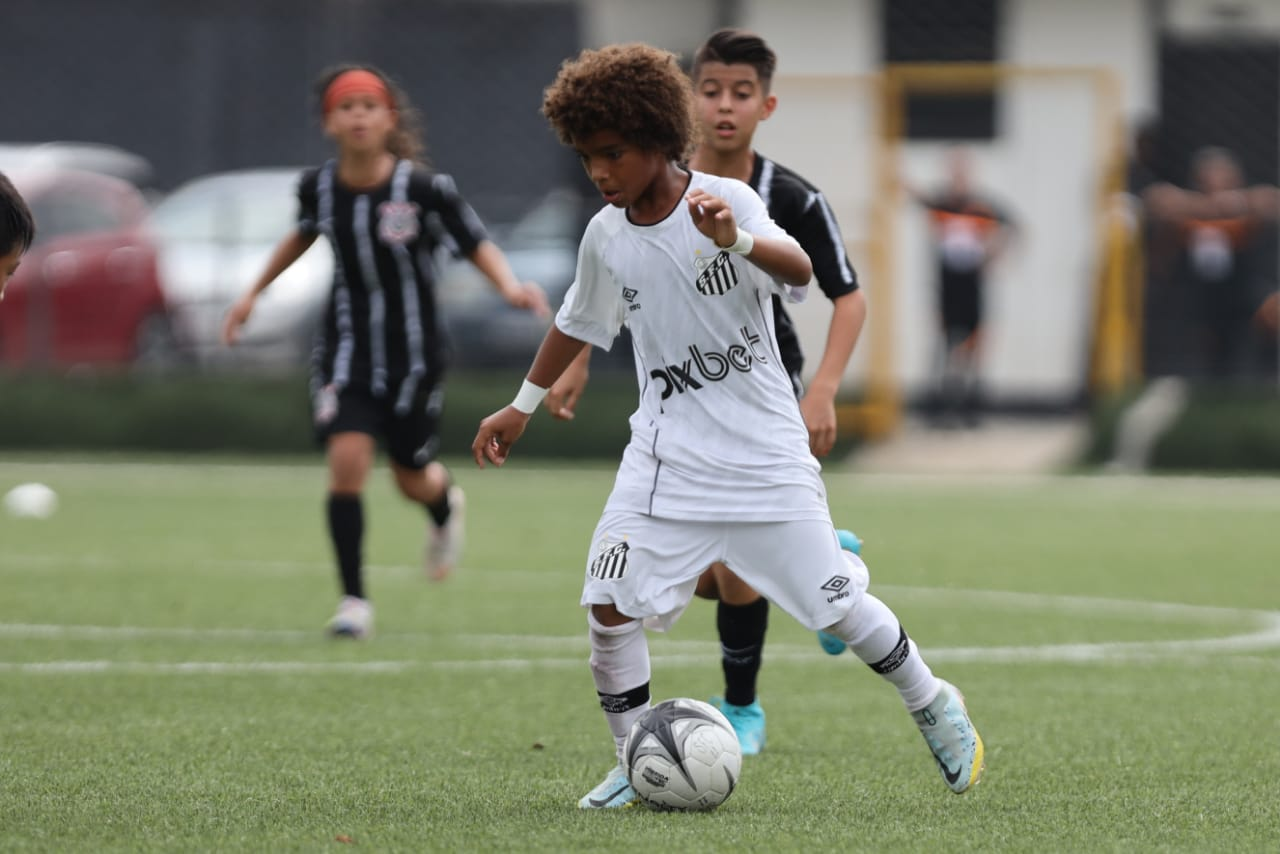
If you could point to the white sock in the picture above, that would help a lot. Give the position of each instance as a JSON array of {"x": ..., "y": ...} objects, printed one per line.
[
  {"x": 620, "y": 667},
  {"x": 876, "y": 636}
]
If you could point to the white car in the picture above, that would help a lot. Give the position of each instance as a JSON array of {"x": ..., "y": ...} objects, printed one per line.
[{"x": 214, "y": 235}]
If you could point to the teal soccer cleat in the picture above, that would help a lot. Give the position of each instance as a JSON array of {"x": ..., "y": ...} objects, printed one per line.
[
  {"x": 747, "y": 722},
  {"x": 831, "y": 644}
]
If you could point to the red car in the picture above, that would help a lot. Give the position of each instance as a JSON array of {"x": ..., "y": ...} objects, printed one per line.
[{"x": 86, "y": 291}]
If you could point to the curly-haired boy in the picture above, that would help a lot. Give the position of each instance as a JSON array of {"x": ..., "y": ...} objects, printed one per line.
[{"x": 718, "y": 466}]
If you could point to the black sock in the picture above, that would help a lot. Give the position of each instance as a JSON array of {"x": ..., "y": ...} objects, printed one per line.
[
  {"x": 742, "y": 629},
  {"x": 346, "y": 529},
  {"x": 440, "y": 509}
]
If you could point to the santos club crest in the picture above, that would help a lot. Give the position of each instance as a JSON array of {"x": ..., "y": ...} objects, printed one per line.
[
  {"x": 397, "y": 222},
  {"x": 716, "y": 275}
]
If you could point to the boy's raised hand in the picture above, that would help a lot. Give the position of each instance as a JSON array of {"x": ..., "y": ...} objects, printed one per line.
[{"x": 713, "y": 217}]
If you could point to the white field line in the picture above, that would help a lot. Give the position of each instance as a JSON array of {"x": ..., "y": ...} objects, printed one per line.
[
  {"x": 1262, "y": 633},
  {"x": 181, "y": 668}
]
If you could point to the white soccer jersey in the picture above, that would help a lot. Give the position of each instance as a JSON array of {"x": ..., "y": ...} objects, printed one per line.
[{"x": 718, "y": 433}]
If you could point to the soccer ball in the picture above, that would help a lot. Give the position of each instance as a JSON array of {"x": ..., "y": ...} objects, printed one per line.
[
  {"x": 683, "y": 754},
  {"x": 31, "y": 501}
]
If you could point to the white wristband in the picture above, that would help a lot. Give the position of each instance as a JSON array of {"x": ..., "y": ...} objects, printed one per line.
[
  {"x": 528, "y": 398},
  {"x": 743, "y": 245}
]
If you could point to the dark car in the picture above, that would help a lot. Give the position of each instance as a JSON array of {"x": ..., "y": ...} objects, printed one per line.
[
  {"x": 86, "y": 292},
  {"x": 542, "y": 247}
]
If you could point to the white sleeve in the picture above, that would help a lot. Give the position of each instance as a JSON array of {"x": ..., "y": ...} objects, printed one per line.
[
  {"x": 593, "y": 310},
  {"x": 753, "y": 216}
]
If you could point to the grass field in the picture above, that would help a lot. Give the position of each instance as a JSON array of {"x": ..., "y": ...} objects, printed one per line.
[{"x": 165, "y": 685}]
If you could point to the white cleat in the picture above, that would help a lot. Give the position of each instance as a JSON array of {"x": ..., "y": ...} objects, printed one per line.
[
  {"x": 445, "y": 545},
  {"x": 951, "y": 736},
  {"x": 614, "y": 791},
  {"x": 353, "y": 620}
]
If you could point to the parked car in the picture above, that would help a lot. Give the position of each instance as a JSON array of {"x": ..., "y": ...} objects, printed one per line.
[
  {"x": 213, "y": 236},
  {"x": 542, "y": 247},
  {"x": 81, "y": 156},
  {"x": 86, "y": 292}
]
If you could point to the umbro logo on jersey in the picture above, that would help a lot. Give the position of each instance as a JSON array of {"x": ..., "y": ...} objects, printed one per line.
[
  {"x": 716, "y": 275},
  {"x": 709, "y": 366},
  {"x": 610, "y": 564},
  {"x": 629, "y": 294},
  {"x": 837, "y": 586}
]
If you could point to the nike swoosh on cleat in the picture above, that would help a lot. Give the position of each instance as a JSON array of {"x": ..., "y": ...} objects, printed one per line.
[
  {"x": 951, "y": 776},
  {"x": 602, "y": 801}
]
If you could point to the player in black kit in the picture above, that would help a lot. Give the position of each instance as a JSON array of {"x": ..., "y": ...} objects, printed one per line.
[{"x": 380, "y": 356}]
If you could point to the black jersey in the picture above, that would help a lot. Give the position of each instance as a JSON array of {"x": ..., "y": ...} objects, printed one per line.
[
  {"x": 382, "y": 329},
  {"x": 803, "y": 212}
]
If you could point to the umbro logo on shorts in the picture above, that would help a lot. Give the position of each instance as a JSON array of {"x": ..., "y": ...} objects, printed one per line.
[
  {"x": 837, "y": 586},
  {"x": 610, "y": 564},
  {"x": 717, "y": 275}
]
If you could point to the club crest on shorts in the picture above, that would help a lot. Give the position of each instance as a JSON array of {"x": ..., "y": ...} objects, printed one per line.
[
  {"x": 610, "y": 564},
  {"x": 397, "y": 222},
  {"x": 716, "y": 275}
]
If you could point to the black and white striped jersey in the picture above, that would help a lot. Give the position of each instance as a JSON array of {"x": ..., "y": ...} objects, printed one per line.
[
  {"x": 802, "y": 210},
  {"x": 382, "y": 328}
]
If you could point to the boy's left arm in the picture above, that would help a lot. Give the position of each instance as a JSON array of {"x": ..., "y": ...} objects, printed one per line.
[
  {"x": 818, "y": 406},
  {"x": 813, "y": 224}
]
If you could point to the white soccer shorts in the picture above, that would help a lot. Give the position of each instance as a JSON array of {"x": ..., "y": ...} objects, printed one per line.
[{"x": 648, "y": 567}]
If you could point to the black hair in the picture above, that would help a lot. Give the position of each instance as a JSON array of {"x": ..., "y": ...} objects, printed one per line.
[
  {"x": 738, "y": 47},
  {"x": 17, "y": 227}
]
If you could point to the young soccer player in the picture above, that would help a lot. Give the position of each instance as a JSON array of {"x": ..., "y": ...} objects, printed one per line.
[
  {"x": 380, "y": 358},
  {"x": 732, "y": 78},
  {"x": 718, "y": 467},
  {"x": 17, "y": 230}
]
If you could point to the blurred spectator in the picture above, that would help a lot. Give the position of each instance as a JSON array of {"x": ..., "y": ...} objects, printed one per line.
[
  {"x": 969, "y": 232},
  {"x": 1165, "y": 302},
  {"x": 1221, "y": 226}
]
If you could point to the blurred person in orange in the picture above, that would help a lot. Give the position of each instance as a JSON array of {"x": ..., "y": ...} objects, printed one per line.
[
  {"x": 17, "y": 230},
  {"x": 732, "y": 76},
  {"x": 380, "y": 357},
  {"x": 969, "y": 233},
  {"x": 1220, "y": 225}
]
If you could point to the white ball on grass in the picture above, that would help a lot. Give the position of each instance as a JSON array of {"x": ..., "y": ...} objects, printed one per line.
[{"x": 31, "y": 501}]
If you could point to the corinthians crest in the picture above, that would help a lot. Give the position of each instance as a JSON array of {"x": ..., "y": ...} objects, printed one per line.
[
  {"x": 397, "y": 222},
  {"x": 716, "y": 275}
]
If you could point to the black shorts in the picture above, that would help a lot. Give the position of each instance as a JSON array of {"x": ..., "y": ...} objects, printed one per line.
[
  {"x": 961, "y": 302},
  {"x": 411, "y": 438}
]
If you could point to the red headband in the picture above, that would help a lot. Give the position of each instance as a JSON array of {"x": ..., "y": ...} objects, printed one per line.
[{"x": 355, "y": 82}]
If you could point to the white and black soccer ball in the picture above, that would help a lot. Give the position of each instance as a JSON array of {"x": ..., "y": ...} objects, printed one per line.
[{"x": 683, "y": 754}]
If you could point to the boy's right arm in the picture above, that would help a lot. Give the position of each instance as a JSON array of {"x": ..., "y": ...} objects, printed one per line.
[
  {"x": 500, "y": 430},
  {"x": 289, "y": 250},
  {"x": 562, "y": 397}
]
